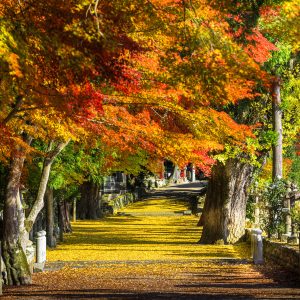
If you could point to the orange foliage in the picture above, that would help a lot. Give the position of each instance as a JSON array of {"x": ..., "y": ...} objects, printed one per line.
[
  {"x": 259, "y": 47},
  {"x": 142, "y": 76}
]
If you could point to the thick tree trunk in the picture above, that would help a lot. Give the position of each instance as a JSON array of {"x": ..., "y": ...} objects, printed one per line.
[
  {"x": 18, "y": 271},
  {"x": 88, "y": 207},
  {"x": 224, "y": 210},
  {"x": 175, "y": 176},
  {"x": 64, "y": 209},
  {"x": 277, "y": 127},
  {"x": 24, "y": 234},
  {"x": 51, "y": 239},
  {"x": 201, "y": 220},
  {"x": 15, "y": 228}
]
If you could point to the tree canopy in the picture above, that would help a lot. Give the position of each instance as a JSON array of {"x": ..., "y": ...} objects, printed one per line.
[{"x": 89, "y": 87}]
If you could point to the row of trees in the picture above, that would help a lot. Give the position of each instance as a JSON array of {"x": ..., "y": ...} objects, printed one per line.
[{"x": 89, "y": 87}]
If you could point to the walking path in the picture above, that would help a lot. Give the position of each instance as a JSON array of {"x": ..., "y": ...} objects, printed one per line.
[{"x": 150, "y": 251}]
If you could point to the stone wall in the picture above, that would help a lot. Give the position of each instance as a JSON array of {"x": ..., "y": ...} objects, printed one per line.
[
  {"x": 111, "y": 203},
  {"x": 283, "y": 255}
]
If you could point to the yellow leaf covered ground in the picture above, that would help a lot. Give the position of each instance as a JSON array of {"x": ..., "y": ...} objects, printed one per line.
[
  {"x": 150, "y": 253},
  {"x": 145, "y": 236}
]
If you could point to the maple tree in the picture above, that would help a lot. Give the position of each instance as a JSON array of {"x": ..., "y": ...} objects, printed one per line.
[
  {"x": 35, "y": 106},
  {"x": 135, "y": 78}
]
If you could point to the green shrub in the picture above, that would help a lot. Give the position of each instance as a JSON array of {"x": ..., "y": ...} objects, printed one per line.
[{"x": 271, "y": 207}]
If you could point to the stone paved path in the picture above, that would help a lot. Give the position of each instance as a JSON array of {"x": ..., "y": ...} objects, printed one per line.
[{"x": 150, "y": 251}]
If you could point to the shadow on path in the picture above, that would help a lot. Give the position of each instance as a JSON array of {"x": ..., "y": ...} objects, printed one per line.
[{"x": 152, "y": 256}]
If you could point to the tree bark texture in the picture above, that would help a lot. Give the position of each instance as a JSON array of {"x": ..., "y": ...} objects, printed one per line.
[
  {"x": 277, "y": 127},
  {"x": 175, "y": 176},
  {"x": 64, "y": 212},
  {"x": 18, "y": 271},
  {"x": 74, "y": 210},
  {"x": 60, "y": 222},
  {"x": 224, "y": 210},
  {"x": 201, "y": 220},
  {"x": 49, "y": 200},
  {"x": 16, "y": 228},
  {"x": 88, "y": 206}
]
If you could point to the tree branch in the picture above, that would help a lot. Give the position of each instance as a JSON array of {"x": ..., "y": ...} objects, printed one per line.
[
  {"x": 39, "y": 201},
  {"x": 14, "y": 111}
]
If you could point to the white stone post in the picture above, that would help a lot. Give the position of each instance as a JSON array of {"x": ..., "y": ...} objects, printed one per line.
[
  {"x": 193, "y": 174},
  {"x": 257, "y": 246},
  {"x": 41, "y": 247}
]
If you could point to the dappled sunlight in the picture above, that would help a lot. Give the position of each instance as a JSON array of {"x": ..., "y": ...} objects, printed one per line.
[
  {"x": 157, "y": 205},
  {"x": 143, "y": 238},
  {"x": 148, "y": 257}
]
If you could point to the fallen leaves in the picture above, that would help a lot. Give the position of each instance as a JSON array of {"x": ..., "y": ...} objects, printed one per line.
[
  {"x": 142, "y": 236},
  {"x": 148, "y": 257}
]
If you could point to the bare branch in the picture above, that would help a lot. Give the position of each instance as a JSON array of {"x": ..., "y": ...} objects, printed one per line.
[{"x": 95, "y": 3}]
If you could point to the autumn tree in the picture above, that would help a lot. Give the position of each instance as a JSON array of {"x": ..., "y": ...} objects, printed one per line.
[
  {"x": 228, "y": 228},
  {"x": 59, "y": 68},
  {"x": 131, "y": 76},
  {"x": 225, "y": 206},
  {"x": 44, "y": 66}
]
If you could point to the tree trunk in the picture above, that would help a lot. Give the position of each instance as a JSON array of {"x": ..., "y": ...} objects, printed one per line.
[
  {"x": 51, "y": 240},
  {"x": 201, "y": 220},
  {"x": 15, "y": 228},
  {"x": 224, "y": 210},
  {"x": 60, "y": 222},
  {"x": 175, "y": 176},
  {"x": 74, "y": 210},
  {"x": 277, "y": 127},
  {"x": 88, "y": 207},
  {"x": 18, "y": 271},
  {"x": 64, "y": 209},
  {"x": 39, "y": 201}
]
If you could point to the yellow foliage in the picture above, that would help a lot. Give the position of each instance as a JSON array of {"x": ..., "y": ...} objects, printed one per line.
[{"x": 291, "y": 11}]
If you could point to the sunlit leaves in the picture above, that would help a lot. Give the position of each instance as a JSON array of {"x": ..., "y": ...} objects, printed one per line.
[
  {"x": 283, "y": 23},
  {"x": 8, "y": 52},
  {"x": 141, "y": 77}
]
